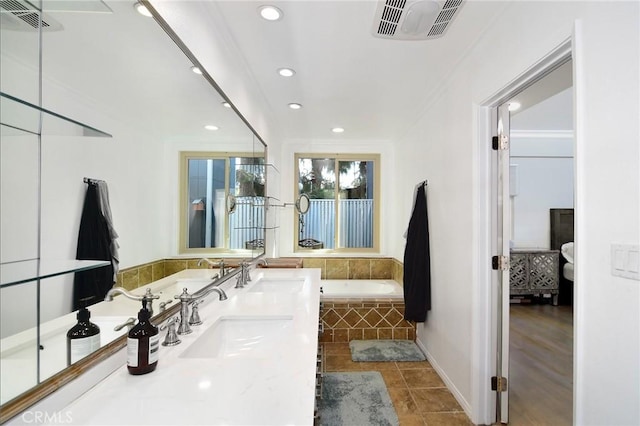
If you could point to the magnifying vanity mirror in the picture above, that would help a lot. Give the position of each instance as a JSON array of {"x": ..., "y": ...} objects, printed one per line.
[
  {"x": 303, "y": 204},
  {"x": 122, "y": 74}
]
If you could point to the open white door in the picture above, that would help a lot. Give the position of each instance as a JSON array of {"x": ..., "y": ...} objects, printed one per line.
[{"x": 501, "y": 263}]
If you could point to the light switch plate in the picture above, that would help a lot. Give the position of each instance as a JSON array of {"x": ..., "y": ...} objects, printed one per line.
[{"x": 625, "y": 260}]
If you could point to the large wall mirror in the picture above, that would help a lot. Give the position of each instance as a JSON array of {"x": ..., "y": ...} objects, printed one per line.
[{"x": 104, "y": 64}]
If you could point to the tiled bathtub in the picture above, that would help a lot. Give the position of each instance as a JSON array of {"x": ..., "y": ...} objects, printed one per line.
[{"x": 373, "y": 311}]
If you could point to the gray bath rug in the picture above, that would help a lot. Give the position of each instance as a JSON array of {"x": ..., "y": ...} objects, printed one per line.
[
  {"x": 385, "y": 350},
  {"x": 355, "y": 399}
]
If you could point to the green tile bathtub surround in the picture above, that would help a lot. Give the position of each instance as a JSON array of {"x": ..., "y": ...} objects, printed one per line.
[
  {"x": 359, "y": 269},
  {"x": 157, "y": 270},
  {"x": 130, "y": 279},
  {"x": 382, "y": 269},
  {"x": 145, "y": 274},
  {"x": 337, "y": 269},
  {"x": 171, "y": 266}
]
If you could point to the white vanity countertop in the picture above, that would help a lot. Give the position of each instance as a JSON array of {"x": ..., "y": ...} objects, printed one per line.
[
  {"x": 273, "y": 389},
  {"x": 18, "y": 354}
]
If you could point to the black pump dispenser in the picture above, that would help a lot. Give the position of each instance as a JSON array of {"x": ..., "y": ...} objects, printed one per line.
[
  {"x": 143, "y": 344},
  {"x": 83, "y": 338}
]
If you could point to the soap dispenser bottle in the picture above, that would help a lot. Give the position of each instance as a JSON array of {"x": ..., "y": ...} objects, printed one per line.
[
  {"x": 83, "y": 338},
  {"x": 143, "y": 344}
]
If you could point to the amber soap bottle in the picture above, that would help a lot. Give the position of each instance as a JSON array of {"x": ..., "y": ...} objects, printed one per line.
[
  {"x": 83, "y": 338},
  {"x": 143, "y": 344}
]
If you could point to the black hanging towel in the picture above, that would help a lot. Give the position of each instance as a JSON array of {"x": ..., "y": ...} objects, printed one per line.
[
  {"x": 417, "y": 268},
  {"x": 94, "y": 243}
]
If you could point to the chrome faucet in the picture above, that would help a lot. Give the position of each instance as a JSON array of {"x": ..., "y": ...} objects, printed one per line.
[
  {"x": 223, "y": 270},
  {"x": 147, "y": 298},
  {"x": 186, "y": 299},
  {"x": 243, "y": 277},
  {"x": 171, "y": 339},
  {"x": 203, "y": 260},
  {"x": 129, "y": 323},
  {"x": 221, "y": 294}
]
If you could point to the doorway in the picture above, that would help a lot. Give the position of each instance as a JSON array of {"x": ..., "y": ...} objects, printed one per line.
[
  {"x": 541, "y": 193},
  {"x": 503, "y": 229}
]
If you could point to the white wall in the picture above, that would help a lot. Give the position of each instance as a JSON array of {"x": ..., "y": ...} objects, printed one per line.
[
  {"x": 445, "y": 144},
  {"x": 542, "y": 180}
]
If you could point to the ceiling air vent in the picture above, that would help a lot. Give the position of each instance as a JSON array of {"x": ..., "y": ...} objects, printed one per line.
[
  {"x": 414, "y": 19},
  {"x": 20, "y": 16}
]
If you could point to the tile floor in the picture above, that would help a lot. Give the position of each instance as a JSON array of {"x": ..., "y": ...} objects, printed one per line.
[{"x": 419, "y": 396}]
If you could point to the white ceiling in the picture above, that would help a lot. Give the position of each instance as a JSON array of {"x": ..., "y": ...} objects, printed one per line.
[{"x": 374, "y": 88}]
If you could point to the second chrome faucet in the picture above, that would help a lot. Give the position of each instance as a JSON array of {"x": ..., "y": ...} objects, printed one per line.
[{"x": 187, "y": 299}]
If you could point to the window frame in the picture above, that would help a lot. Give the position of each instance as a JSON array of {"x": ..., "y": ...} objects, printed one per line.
[{"x": 377, "y": 179}]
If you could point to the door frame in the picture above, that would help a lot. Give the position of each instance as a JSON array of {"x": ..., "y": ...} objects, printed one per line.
[{"x": 487, "y": 201}]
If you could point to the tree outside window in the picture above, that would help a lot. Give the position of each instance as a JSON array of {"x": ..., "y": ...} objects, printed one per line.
[{"x": 343, "y": 213}]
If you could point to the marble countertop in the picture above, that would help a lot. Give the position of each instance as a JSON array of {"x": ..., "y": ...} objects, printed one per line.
[
  {"x": 277, "y": 388},
  {"x": 18, "y": 354}
]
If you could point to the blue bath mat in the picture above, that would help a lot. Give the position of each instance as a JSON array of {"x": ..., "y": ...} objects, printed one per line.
[
  {"x": 385, "y": 350},
  {"x": 356, "y": 399}
]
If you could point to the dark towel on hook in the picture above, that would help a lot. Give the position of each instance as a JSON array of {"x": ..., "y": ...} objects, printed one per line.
[
  {"x": 417, "y": 268},
  {"x": 94, "y": 243}
]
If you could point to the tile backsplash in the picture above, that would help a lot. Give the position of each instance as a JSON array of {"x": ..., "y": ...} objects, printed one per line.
[{"x": 331, "y": 268}]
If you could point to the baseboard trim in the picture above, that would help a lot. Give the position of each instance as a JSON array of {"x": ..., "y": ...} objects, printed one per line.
[{"x": 452, "y": 388}]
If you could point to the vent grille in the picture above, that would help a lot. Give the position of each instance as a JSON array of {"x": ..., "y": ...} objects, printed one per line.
[
  {"x": 20, "y": 11},
  {"x": 18, "y": 15},
  {"x": 390, "y": 15},
  {"x": 444, "y": 17}
]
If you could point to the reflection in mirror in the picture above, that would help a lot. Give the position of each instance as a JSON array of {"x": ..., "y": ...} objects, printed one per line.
[
  {"x": 303, "y": 203},
  {"x": 231, "y": 203},
  {"x": 120, "y": 72},
  {"x": 222, "y": 201}
]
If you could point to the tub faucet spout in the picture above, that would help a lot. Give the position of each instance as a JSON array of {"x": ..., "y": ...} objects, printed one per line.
[{"x": 203, "y": 260}]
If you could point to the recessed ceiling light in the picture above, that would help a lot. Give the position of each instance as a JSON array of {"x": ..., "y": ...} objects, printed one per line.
[
  {"x": 286, "y": 72},
  {"x": 294, "y": 105},
  {"x": 337, "y": 130},
  {"x": 514, "y": 106},
  {"x": 196, "y": 70},
  {"x": 270, "y": 13},
  {"x": 226, "y": 104},
  {"x": 142, "y": 9},
  {"x": 211, "y": 127}
]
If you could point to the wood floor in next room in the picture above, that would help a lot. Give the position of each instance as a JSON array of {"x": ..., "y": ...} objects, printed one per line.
[
  {"x": 419, "y": 396},
  {"x": 541, "y": 365}
]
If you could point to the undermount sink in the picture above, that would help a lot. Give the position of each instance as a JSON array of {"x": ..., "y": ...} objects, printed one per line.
[
  {"x": 240, "y": 337},
  {"x": 277, "y": 286}
]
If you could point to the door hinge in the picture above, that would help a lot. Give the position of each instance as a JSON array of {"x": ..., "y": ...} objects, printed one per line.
[
  {"x": 499, "y": 384},
  {"x": 500, "y": 263},
  {"x": 500, "y": 142}
]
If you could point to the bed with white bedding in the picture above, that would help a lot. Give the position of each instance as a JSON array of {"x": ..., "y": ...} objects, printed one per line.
[{"x": 567, "y": 252}]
